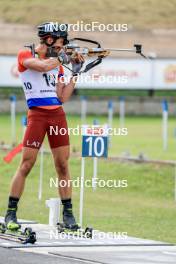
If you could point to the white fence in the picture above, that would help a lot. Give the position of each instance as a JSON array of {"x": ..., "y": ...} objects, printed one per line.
[{"x": 159, "y": 74}]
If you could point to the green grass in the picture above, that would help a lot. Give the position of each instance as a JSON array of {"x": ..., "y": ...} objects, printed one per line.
[
  {"x": 146, "y": 208},
  {"x": 5, "y": 92},
  {"x": 142, "y": 14},
  {"x": 144, "y": 135}
]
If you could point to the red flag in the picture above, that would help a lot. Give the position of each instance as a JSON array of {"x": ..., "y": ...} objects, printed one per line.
[{"x": 9, "y": 157}]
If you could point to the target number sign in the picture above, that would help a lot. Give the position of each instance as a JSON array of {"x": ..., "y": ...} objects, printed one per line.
[{"x": 94, "y": 141}]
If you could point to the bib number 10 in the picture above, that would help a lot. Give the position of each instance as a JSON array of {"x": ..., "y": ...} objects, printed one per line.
[
  {"x": 93, "y": 146},
  {"x": 28, "y": 85}
]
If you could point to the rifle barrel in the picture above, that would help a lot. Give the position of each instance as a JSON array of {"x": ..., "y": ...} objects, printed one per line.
[{"x": 126, "y": 50}]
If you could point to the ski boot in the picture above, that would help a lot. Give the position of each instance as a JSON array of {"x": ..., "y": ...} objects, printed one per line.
[
  {"x": 69, "y": 220},
  {"x": 11, "y": 220}
]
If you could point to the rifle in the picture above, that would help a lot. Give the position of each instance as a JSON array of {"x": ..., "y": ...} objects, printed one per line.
[
  {"x": 72, "y": 48},
  {"x": 98, "y": 52}
]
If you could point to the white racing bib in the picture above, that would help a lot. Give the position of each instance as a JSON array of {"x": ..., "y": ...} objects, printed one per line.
[{"x": 40, "y": 87}]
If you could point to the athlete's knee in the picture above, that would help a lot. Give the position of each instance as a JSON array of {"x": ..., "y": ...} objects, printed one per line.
[
  {"x": 26, "y": 166},
  {"x": 62, "y": 166}
]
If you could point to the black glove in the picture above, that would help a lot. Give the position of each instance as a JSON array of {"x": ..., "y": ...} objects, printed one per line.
[
  {"x": 76, "y": 67},
  {"x": 63, "y": 58}
]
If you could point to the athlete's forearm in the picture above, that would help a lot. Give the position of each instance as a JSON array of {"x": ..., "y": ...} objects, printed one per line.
[
  {"x": 50, "y": 64},
  {"x": 41, "y": 65},
  {"x": 65, "y": 91}
]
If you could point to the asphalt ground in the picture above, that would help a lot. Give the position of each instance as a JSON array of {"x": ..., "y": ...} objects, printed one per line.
[
  {"x": 11, "y": 256},
  {"x": 69, "y": 250},
  {"x": 120, "y": 255}
]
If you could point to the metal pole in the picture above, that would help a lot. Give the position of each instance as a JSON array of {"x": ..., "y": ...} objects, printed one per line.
[
  {"x": 110, "y": 113},
  {"x": 165, "y": 124},
  {"x": 175, "y": 183},
  {"x": 24, "y": 123},
  {"x": 122, "y": 111},
  {"x": 110, "y": 119},
  {"x": 13, "y": 119},
  {"x": 83, "y": 109},
  {"x": 82, "y": 191},
  {"x": 41, "y": 174},
  {"x": 95, "y": 163}
]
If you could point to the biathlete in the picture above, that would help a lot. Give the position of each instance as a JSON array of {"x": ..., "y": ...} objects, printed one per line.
[{"x": 45, "y": 92}]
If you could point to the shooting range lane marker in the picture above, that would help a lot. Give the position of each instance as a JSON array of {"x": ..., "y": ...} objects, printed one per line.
[
  {"x": 24, "y": 123},
  {"x": 122, "y": 111},
  {"x": 95, "y": 145},
  {"x": 165, "y": 124}
]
